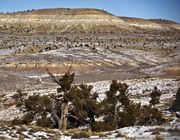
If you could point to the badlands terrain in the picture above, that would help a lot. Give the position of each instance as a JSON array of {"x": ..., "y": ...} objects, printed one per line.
[{"x": 98, "y": 47}]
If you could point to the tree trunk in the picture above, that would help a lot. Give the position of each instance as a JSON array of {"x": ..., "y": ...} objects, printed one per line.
[
  {"x": 63, "y": 120},
  {"x": 115, "y": 116},
  {"x": 58, "y": 120}
]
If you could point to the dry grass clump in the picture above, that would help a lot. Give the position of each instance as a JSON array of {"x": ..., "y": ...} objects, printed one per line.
[
  {"x": 157, "y": 131},
  {"x": 21, "y": 137},
  {"x": 4, "y": 138},
  {"x": 119, "y": 134},
  {"x": 2, "y": 95},
  {"x": 100, "y": 134},
  {"x": 76, "y": 133},
  {"x": 101, "y": 127},
  {"x": 130, "y": 138},
  {"x": 158, "y": 137},
  {"x": 82, "y": 134},
  {"x": 56, "y": 137}
]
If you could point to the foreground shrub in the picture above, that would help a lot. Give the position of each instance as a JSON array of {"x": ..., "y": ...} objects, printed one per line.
[
  {"x": 45, "y": 122},
  {"x": 34, "y": 106},
  {"x": 158, "y": 137},
  {"x": 155, "y": 96},
  {"x": 19, "y": 98},
  {"x": 26, "y": 119},
  {"x": 150, "y": 116},
  {"x": 101, "y": 127},
  {"x": 119, "y": 134},
  {"x": 135, "y": 114},
  {"x": 16, "y": 121},
  {"x": 129, "y": 116},
  {"x": 80, "y": 135},
  {"x": 176, "y": 102}
]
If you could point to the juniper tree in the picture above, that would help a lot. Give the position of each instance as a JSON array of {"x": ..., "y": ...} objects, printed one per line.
[
  {"x": 130, "y": 115},
  {"x": 116, "y": 98},
  {"x": 84, "y": 105},
  {"x": 155, "y": 96},
  {"x": 176, "y": 102},
  {"x": 65, "y": 83},
  {"x": 78, "y": 100},
  {"x": 36, "y": 106},
  {"x": 150, "y": 116},
  {"x": 119, "y": 111},
  {"x": 52, "y": 110},
  {"x": 19, "y": 97},
  {"x": 76, "y": 105}
]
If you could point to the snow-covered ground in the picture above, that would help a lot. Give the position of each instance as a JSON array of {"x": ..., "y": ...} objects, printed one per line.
[
  {"x": 136, "y": 132},
  {"x": 139, "y": 89}
]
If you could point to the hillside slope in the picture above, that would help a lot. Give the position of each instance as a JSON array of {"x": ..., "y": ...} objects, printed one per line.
[
  {"x": 65, "y": 20},
  {"x": 157, "y": 24},
  {"x": 79, "y": 20},
  {"x": 93, "y": 43}
]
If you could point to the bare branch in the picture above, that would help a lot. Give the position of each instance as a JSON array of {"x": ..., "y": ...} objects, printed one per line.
[{"x": 54, "y": 79}]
